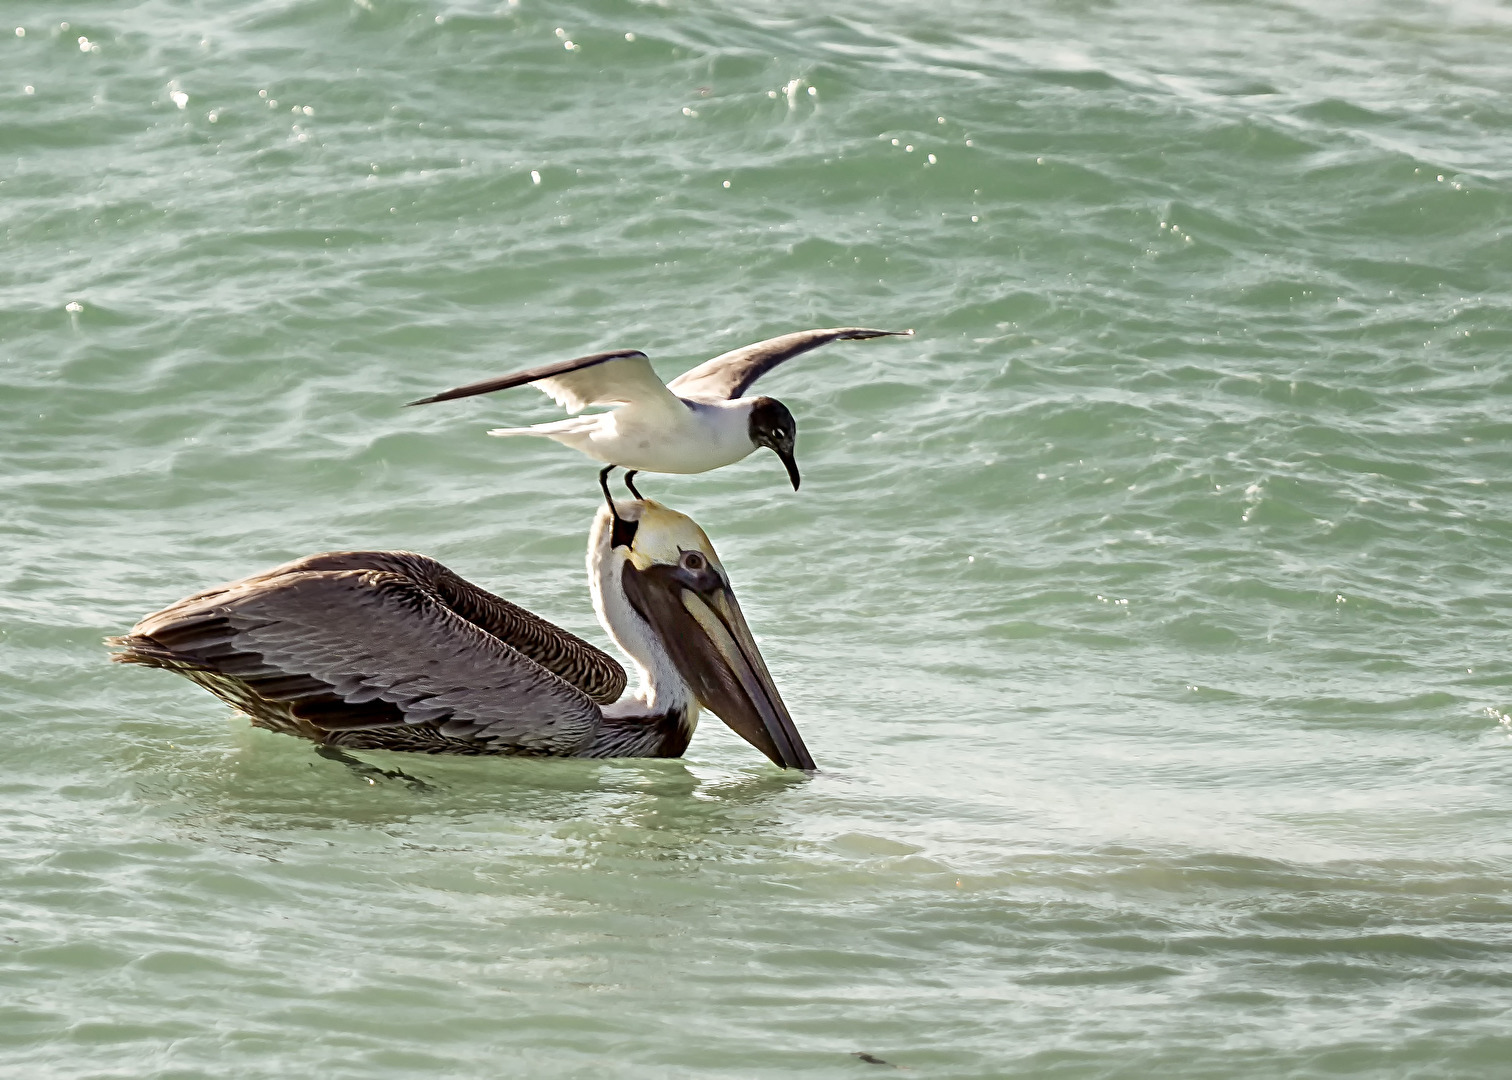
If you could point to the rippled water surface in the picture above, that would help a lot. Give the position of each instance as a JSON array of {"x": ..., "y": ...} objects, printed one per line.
[{"x": 1147, "y": 612}]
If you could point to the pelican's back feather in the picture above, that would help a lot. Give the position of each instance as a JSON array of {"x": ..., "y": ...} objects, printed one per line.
[{"x": 351, "y": 641}]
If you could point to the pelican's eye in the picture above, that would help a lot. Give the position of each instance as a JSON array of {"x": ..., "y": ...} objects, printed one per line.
[{"x": 695, "y": 571}]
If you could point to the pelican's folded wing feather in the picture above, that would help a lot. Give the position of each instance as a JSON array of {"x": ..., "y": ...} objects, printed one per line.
[
  {"x": 612, "y": 378},
  {"x": 367, "y": 648},
  {"x": 564, "y": 654},
  {"x": 731, "y": 374}
]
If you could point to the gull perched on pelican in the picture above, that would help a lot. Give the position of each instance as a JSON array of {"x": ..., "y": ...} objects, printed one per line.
[
  {"x": 390, "y": 650},
  {"x": 697, "y": 422}
]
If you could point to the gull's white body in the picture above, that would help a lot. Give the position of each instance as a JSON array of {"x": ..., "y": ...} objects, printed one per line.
[{"x": 680, "y": 436}]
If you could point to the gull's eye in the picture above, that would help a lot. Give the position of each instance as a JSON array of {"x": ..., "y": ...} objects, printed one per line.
[{"x": 693, "y": 560}]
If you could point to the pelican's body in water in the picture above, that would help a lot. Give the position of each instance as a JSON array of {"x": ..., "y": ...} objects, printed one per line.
[
  {"x": 697, "y": 422},
  {"x": 391, "y": 650}
]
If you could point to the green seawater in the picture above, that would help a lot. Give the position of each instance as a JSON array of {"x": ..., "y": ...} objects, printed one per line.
[{"x": 1147, "y": 612}]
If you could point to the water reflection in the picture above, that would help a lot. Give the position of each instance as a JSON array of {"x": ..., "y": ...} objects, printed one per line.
[{"x": 276, "y": 789}]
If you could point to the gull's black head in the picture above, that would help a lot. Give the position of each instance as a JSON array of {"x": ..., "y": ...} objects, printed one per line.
[{"x": 773, "y": 426}]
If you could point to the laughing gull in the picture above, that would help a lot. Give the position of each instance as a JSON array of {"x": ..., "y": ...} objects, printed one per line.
[{"x": 697, "y": 422}]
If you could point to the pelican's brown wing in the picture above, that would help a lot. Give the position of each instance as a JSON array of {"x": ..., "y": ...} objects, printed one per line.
[
  {"x": 731, "y": 374},
  {"x": 591, "y": 670},
  {"x": 362, "y": 649}
]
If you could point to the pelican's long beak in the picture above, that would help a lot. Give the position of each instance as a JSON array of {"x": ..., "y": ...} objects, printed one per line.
[{"x": 703, "y": 629}]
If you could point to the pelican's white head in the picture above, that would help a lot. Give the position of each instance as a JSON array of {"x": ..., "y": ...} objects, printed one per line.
[{"x": 663, "y": 595}]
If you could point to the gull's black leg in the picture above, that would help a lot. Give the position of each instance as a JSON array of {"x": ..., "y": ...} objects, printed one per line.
[
  {"x": 629, "y": 476},
  {"x": 366, "y": 771},
  {"x": 604, "y": 484}
]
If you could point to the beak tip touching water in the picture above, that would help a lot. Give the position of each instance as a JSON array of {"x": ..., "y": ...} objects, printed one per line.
[{"x": 711, "y": 646}]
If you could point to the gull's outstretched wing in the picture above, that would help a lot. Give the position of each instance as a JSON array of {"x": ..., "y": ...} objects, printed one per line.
[
  {"x": 348, "y": 649},
  {"x": 611, "y": 378},
  {"x": 731, "y": 374}
]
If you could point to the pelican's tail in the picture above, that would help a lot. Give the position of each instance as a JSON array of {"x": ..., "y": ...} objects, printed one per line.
[{"x": 137, "y": 649}]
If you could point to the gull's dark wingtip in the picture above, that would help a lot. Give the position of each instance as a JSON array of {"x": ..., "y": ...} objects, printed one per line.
[
  {"x": 445, "y": 395},
  {"x": 520, "y": 378}
]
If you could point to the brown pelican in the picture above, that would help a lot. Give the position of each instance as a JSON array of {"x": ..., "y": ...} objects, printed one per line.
[
  {"x": 697, "y": 422},
  {"x": 391, "y": 650}
]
